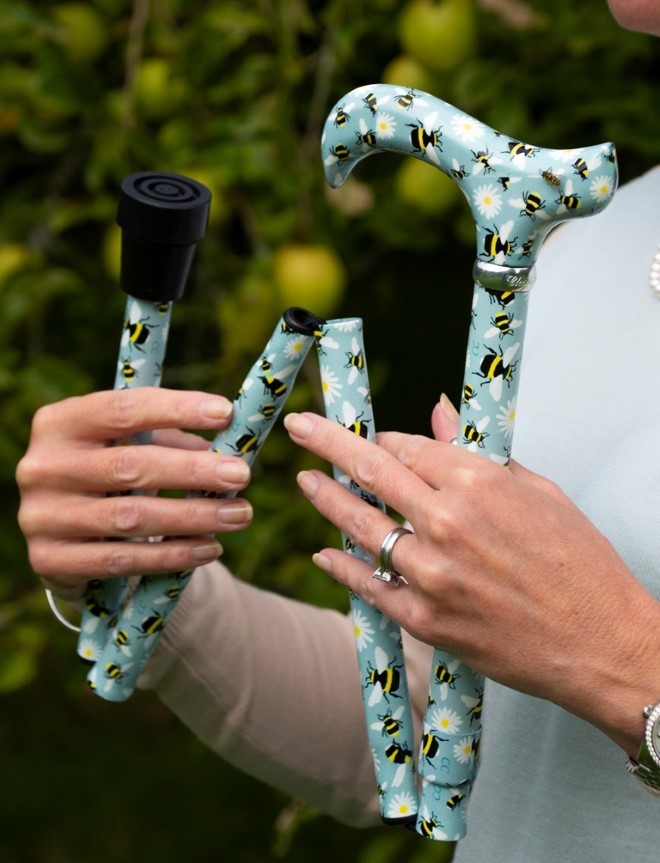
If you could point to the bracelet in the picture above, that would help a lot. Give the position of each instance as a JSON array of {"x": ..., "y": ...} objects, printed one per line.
[{"x": 58, "y": 614}]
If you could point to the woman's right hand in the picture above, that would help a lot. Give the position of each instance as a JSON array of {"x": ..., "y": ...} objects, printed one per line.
[{"x": 71, "y": 480}]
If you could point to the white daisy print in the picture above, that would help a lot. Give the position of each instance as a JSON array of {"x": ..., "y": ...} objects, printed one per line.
[
  {"x": 363, "y": 630},
  {"x": 385, "y": 125},
  {"x": 506, "y": 417},
  {"x": 445, "y": 719},
  {"x": 467, "y": 128},
  {"x": 463, "y": 751},
  {"x": 88, "y": 650},
  {"x": 564, "y": 155},
  {"x": 401, "y": 805},
  {"x": 294, "y": 348},
  {"x": 488, "y": 200},
  {"x": 330, "y": 385},
  {"x": 601, "y": 188}
]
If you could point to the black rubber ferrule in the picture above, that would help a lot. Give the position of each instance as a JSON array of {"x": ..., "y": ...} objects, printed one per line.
[
  {"x": 162, "y": 217},
  {"x": 303, "y": 322}
]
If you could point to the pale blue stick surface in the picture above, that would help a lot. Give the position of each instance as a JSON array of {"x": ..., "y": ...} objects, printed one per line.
[
  {"x": 141, "y": 355},
  {"x": 347, "y": 398}
]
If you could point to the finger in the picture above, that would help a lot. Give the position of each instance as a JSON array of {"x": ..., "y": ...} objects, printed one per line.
[
  {"x": 138, "y": 516},
  {"x": 445, "y": 420},
  {"x": 131, "y": 468},
  {"x": 366, "y": 525},
  {"x": 114, "y": 414},
  {"x": 372, "y": 467},
  {"x": 178, "y": 439},
  {"x": 63, "y": 565},
  {"x": 357, "y": 575}
]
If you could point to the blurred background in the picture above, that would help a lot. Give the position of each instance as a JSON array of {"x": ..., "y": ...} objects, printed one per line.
[{"x": 235, "y": 93}]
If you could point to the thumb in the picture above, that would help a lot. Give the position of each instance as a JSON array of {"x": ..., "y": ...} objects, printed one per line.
[{"x": 444, "y": 420}]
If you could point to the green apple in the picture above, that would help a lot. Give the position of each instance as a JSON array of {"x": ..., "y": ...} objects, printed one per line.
[
  {"x": 13, "y": 257},
  {"x": 81, "y": 31},
  {"x": 425, "y": 187},
  {"x": 439, "y": 35},
  {"x": 310, "y": 276},
  {"x": 158, "y": 91},
  {"x": 406, "y": 71}
]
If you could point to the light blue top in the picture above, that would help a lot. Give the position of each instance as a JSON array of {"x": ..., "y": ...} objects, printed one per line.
[{"x": 588, "y": 418}]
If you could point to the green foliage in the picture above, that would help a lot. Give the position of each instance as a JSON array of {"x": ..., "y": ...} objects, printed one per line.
[{"x": 234, "y": 94}]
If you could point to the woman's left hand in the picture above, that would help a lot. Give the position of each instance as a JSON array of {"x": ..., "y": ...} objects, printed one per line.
[{"x": 502, "y": 570}]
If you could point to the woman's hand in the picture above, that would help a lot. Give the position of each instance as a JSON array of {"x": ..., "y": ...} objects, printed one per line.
[
  {"x": 71, "y": 481},
  {"x": 502, "y": 570}
]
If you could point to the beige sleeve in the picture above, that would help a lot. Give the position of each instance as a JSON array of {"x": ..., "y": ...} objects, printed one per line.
[{"x": 272, "y": 685}]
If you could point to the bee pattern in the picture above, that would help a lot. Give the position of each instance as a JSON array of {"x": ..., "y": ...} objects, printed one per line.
[
  {"x": 130, "y": 369},
  {"x": 531, "y": 204},
  {"x": 389, "y": 723},
  {"x": 445, "y": 677},
  {"x": 474, "y": 434},
  {"x": 502, "y": 325},
  {"x": 342, "y": 116},
  {"x": 353, "y": 421},
  {"x": 355, "y": 362},
  {"x": 365, "y": 137},
  {"x": 551, "y": 176},
  {"x": 497, "y": 245},
  {"x": 401, "y": 755},
  {"x": 429, "y": 826},
  {"x": 568, "y": 200},
  {"x": 136, "y": 331},
  {"x": 484, "y": 161},
  {"x": 474, "y": 705},
  {"x": 273, "y": 381},
  {"x": 385, "y": 678},
  {"x": 497, "y": 367},
  {"x": 425, "y": 139}
]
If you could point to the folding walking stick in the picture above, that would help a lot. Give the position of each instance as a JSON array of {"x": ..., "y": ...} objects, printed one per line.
[
  {"x": 162, "y": 217},
  {"x": 138, "y": 622},
  {"x": 517, "y": 194}
]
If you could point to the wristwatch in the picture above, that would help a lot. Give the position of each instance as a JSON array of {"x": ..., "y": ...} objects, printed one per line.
[{"x": 647, "y": 766}]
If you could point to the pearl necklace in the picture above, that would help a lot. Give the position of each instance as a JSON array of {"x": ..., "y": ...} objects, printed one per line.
[{"x": 654, "y": 273}]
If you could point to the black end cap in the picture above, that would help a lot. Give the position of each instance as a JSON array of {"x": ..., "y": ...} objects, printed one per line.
[{"x": 162, "y": 217}]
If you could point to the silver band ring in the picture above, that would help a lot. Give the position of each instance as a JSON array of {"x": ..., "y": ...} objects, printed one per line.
[{"x": 386, "y": 571}]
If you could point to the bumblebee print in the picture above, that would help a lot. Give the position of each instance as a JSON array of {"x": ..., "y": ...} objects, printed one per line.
[
  {"x": 425, "y": 139},
  {"x": 497, "y": 367},
  {"x": 389, "y": 724},
  {"x": 385, "y": 678}
]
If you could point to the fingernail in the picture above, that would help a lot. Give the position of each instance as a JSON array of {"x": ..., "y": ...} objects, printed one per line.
[
  {"x": 216, "y": 409},
  {"x": 448, "y": 407},
  {"x": 235, "y": 512},
  {"x": 207, "y": 552},
  {"x": 308, "y": 483},
  {"x": 322, "y": 561},
  {"x": 233, "y": 471},
  {"x": 298, "y": 425}
]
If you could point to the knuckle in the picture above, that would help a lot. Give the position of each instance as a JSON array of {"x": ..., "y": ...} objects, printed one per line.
[
  {"x": 120, "y": 561},
  {"x": 128, "y": 466},
  {"x": 412, "y": 451},
  {"x": 31, "y": 471},
  {"x": 443, "y": 527},
  {"x": 363, "y": 525},
  {"x": 124, "y": 410},
  {"x": 43, "y": 420},
  {"x": 128, "y": 514},
  {"x": 371, "y": 468}
]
